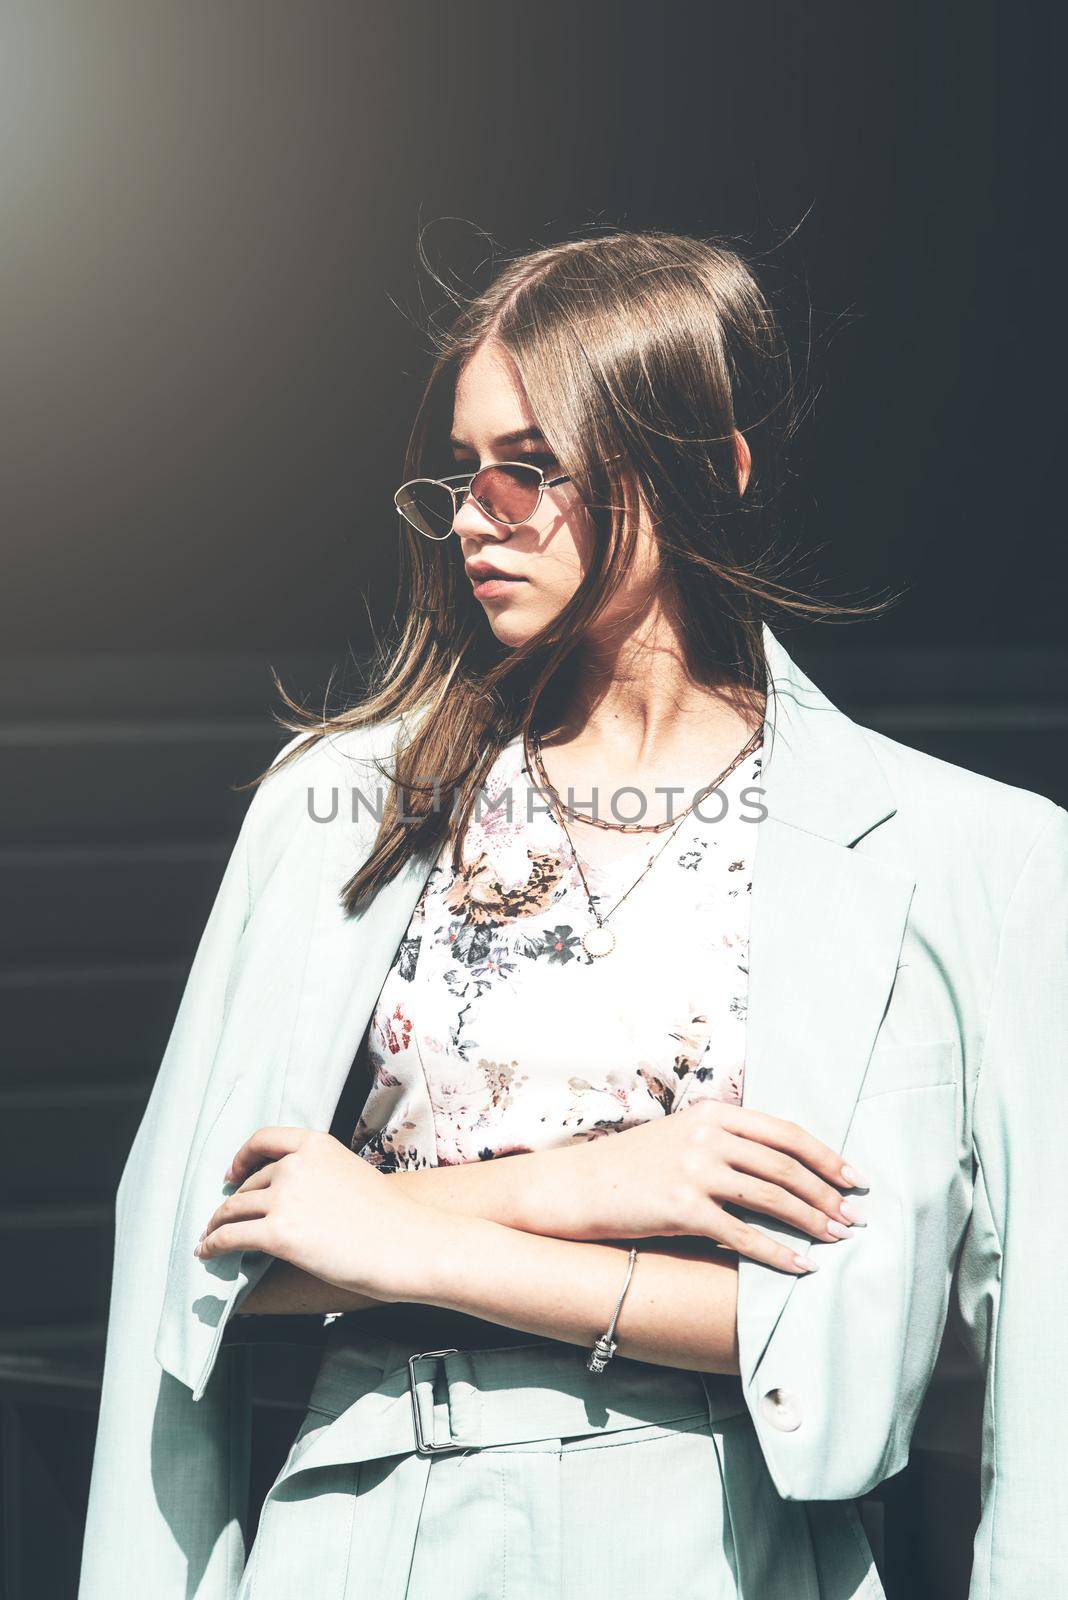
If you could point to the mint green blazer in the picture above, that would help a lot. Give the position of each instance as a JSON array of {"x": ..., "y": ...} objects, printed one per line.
[{"x": 908, "y": 979}]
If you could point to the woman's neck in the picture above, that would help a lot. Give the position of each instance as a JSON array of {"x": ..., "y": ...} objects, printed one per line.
[{"x": 640, "y": 699}]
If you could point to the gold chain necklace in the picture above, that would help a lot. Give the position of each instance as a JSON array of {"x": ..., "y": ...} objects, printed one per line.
[
  {"x": 638, "y": 827},
  {"x": 601, "y": 941}
]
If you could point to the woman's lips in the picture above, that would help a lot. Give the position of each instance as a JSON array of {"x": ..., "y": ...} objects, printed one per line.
[{"x": 490, "y": 588}]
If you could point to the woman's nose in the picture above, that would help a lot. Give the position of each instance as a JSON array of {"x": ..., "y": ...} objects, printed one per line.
[{"x": 471, "y": 522}]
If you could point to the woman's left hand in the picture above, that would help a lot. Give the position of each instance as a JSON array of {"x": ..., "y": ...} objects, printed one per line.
[{"x": 310, "y": 1200}]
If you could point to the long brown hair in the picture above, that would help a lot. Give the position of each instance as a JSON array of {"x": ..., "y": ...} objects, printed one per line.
[{"x": 640, "y": 353}]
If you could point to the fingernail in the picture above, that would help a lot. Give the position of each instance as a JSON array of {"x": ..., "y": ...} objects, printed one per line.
[
  {"x": 805, "y": 1264},
  {"x": 838, "y": 1229},
  {"x": 229, "y": 1178},
  {"x": 855, "y": 1179},
  {"x": 849, "y": 1211},
  {"x": 196, "y": 1247}
]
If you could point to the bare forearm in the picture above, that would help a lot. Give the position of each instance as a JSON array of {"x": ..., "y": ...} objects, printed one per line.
[
  {"x": 528, "y": 1191},
  {"x": 287, "y": 1291},
  {"x": 680, "y": 1309},
  {"x": 537, "y": 1191}
]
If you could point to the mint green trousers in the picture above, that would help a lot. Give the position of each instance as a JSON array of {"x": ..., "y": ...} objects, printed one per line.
[{"x": 526, "y": 1477}]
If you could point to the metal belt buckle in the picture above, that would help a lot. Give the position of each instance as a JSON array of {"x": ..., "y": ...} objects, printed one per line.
[{"x": 424, "y": 1446}]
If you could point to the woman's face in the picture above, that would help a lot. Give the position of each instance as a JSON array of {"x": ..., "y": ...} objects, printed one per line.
[{"x": 544, "y": 559}]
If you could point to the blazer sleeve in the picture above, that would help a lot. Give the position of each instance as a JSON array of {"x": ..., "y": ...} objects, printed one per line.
[
  {"x": 168, "y": 1485},
  {"x": 1012, "y": 1283}
]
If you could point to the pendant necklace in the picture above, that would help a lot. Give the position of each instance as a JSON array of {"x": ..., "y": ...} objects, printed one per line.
[{"x": 600, "y": 940}]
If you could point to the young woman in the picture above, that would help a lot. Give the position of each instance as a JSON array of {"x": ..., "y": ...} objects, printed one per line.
[{"x": 763, "y": 1009}]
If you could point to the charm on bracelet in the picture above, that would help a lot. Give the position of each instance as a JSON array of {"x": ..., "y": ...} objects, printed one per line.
[{"x": 605, "y": 1348}]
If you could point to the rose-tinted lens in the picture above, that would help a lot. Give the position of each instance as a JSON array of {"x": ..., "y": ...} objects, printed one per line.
[
  {"x": 509, "y": 492},
  {"x": 428, "y": 507}
]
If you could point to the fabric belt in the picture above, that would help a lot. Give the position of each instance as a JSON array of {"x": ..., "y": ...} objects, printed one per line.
[{"x": 371, "y": 1401}]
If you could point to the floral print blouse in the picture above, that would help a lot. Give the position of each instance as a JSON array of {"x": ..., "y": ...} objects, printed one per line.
[{"x": 495, "y": 1032}]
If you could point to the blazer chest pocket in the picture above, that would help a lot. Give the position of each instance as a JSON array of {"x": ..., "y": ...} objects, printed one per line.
[{"x": 923, "y": 1065}]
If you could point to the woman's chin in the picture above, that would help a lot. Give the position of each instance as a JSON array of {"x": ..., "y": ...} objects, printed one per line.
[
  {"x": 513, "y": 625},
  {"x": 511, "y": 631}
]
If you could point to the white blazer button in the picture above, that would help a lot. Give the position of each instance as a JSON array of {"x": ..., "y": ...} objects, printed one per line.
[{"x": 781, "y": 1409}]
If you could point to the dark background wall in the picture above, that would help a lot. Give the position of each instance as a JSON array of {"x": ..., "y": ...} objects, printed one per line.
[{"x": 210, "y": 350}]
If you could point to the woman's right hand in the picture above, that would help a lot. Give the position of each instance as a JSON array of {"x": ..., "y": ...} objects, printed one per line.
[{"x": 676, "y": 1175}]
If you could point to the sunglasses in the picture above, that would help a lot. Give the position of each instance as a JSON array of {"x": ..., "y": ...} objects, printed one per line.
[{"x": 509, "y": 492}]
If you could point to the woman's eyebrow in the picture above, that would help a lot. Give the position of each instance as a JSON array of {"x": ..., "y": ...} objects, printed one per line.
[{"x": 520, "y": 436}]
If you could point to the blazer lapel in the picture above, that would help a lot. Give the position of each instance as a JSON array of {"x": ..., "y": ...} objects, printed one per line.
[{"x": 827, "y": 923}]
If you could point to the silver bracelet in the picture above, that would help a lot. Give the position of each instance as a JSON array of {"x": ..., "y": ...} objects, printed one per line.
[{"x": 605, "y": 1348}]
